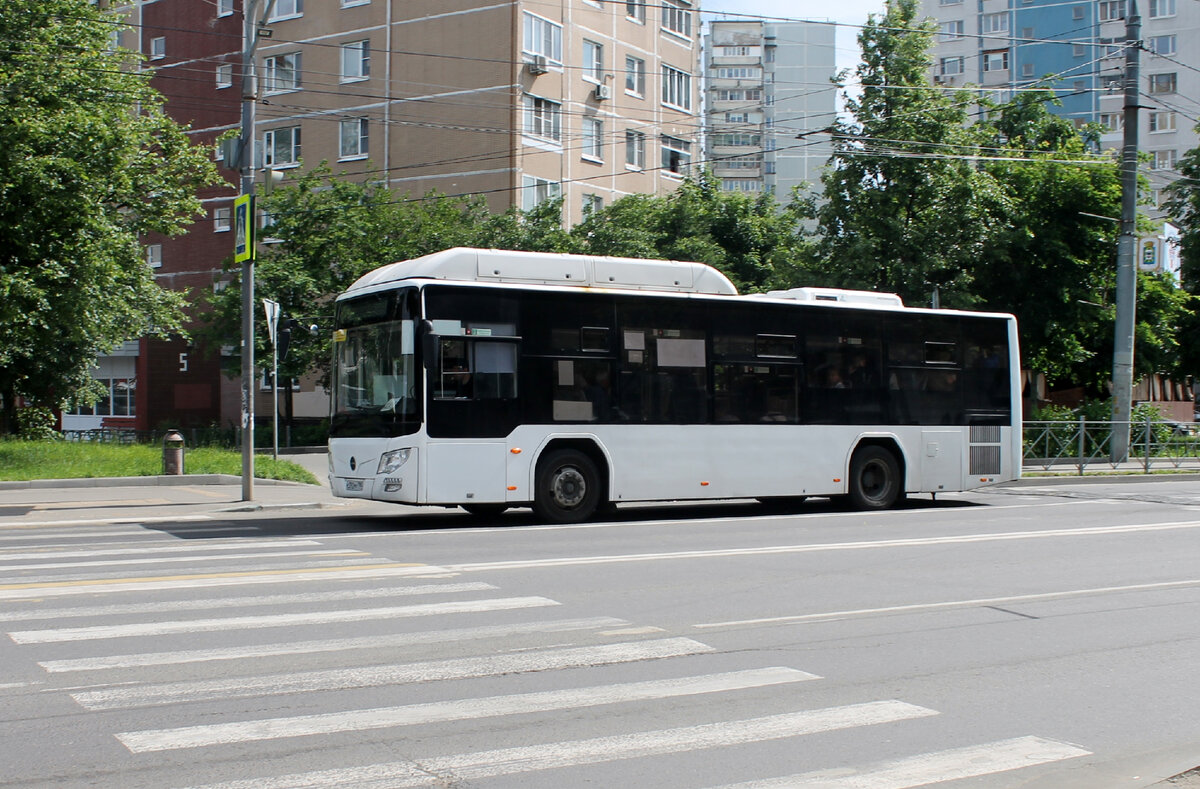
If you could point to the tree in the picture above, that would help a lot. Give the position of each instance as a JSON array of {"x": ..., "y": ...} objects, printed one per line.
[
  {"x": 89, "y": 162},
  {"x": 905, "y": 211},
  {"x": 1183, "y": 203}
]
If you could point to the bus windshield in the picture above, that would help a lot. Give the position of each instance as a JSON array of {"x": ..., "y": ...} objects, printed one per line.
[{"x": 376, "y": 381}]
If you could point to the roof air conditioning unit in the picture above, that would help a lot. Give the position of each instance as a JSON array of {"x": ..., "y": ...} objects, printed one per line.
[
  {"x": 602, "y": 92},
  {"x": 539, "y": 65}
]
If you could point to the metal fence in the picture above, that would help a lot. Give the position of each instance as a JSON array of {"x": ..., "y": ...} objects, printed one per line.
[{"x": 1083, "y": 444}]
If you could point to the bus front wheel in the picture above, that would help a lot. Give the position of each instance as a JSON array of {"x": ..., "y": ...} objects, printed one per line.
[
  {"x": 568, "y": 487},
  {"x": 874, "y": 479}
]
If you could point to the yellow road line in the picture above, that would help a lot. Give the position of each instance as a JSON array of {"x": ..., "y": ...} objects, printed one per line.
[{"x": 201, "y": 576}]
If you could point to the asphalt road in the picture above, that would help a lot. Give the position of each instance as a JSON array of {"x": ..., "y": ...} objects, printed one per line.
[{"x": 1022, "y": 637}]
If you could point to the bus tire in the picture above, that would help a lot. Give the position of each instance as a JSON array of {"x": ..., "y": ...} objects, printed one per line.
[
  {"x": 874, "y": 479},
  {"x": 568, "y": 487},
  {"x": 488, "y": 510}
]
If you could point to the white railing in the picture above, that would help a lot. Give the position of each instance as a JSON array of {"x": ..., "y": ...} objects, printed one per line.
[{"x": 1084, "y": 443}]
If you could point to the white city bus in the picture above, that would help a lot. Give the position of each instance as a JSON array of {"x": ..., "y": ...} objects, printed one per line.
[{"x": 488, "y": 379}]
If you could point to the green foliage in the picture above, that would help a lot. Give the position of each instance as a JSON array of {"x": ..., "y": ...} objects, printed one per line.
[
  {"x": 89, "y": 162},
  {"x": 36, "y": 423},
  {"x": 1183, "y": 203}
]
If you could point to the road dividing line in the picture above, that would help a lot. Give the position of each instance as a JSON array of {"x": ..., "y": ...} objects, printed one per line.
[
  {"x": 929, "y": 768},
  {"x": 720, "y": 553},
  {"x": 443, "y": 711},
  {"x": 977, "y": 602},
  {"x": 93, "y": 632},
  {"x": 93, "y": 586},
  {"x": 384, "y": 641},
  {"x": 378, "y": 676},
  {"x": 446, "y": 770}
]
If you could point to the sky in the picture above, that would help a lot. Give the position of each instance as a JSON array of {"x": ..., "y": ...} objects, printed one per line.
[{"x": 845, "y": 12}]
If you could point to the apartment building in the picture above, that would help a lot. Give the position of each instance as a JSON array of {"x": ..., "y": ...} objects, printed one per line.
[
  {"x": 1078, "y": 49},
  {"x": 767, "y": 96},
  {"x": 515, "y": 101}
]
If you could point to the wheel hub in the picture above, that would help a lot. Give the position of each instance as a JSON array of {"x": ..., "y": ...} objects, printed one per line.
[{"x": 569, "y": 487}]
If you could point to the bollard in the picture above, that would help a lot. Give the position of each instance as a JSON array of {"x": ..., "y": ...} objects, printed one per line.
[{"x": 173, "y": 453}]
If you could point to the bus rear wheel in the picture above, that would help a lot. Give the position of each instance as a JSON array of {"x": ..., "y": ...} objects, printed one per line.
[
  {"x": 568, "y": 487},
  {"x": 874, "y": 479}
]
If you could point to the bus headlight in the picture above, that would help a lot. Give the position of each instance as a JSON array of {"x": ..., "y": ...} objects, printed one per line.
[{"x": 390, "y": 461}]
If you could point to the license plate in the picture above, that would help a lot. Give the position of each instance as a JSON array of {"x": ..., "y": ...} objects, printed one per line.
[{"x": 354, "y": 484}]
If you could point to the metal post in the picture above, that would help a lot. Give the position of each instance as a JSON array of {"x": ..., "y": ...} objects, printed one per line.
[
  {"x": 249, "y": 99},
  {"x": 1146, "y": 462},
  {"x": 1082, "y": 442},
  {"x": 275, "y": 401},
  {"x": 1123, "y": 330}
]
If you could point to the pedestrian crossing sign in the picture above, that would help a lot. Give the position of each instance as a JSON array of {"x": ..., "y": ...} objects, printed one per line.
[{"x": 243, "y": 229}]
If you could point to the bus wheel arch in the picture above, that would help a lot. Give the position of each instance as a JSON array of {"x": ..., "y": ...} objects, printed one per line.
[
  {"x": 876, "y": 476},
  {"x": 571, "y": 481}
]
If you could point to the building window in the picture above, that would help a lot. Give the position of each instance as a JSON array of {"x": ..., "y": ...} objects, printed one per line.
[
  {"x": 676, "y": 88},
  {"x": 158, "y": 48},
  {"x": 738, "y": 52},
  {"x": 154, "y": 255},
  {"x": 224, "y": 7},
  {"x": 754, "y": 94},
  {"x": 356, "y": 61},
  {"x": 286, "y": 9},
  {"x": 1112, "y": 121},
  {"x": 738, "y": 72},
  {"x": 543, "y": 37},
  {"x": 635, "y": 75},
  {"x": 351, "y": 3},
  {"x": 949, "y": 2},
  {"x": 635, "y": 149},
  {"x": 225, "y": 76},
  {"x": 1160, "y": 8},
  {"x": 736, "y": 140},
  {"x": 741, "y": 185},
  {"x": 281, "y": 73},
  {"x": 592, "y": 203},
  {"x": 222, "y": 220},
  {"x": 1162, "y": 83},
  {"x": 1027, "y": 33},
  {"x": 677, "y": 18},
  {"x": 1111, "y": 9},
  {"x": 995, "y": 61},
  {"x": 1162, "y": 121},
  {"x": 352, "y": 138},
  {"x": 593, "y": 139},
  {"x": 543, "y": 118},
  {"x": 535, "y": 191},
  {"x": 948, "y": 67},
  {"x": 951, "y": 30},
  {"x": 995, "y": 23},
  {"x": 676, "y": 155},
  {"x": 281, "y": 147},
  {"x": 635, "y": 10},
  {"x": 593, "y": 61},
  {"x": 1077, "y": 12},
  {"x": 1163, "y": 160},
  {"x": 1026, "y": 69},
  {"x": 118, "y": 399},
  {"x": 1162, "y": 45}
]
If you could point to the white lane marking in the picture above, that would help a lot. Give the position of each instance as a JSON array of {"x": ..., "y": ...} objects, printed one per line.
[
  {"x": 13, "y": 554},
  {"x": 397, "y": 640},
  {"x": 261, "y": 601},
  {"x": 442, "y": 711},
  {"x": 102, "y": 522},
  {"x": 950, "y": 765},
  {"x": 510, "y": 761},
  {"x": 14, "y": 685},
  {"x": 57, "y": 635},
  {"x": 979, "y": 601},
  {"x": 377, "y": 676},
  {"x": 264, "y": 554},
  {"x": 822, "y": 547},
  {"x": 346, "y": 573},
  {"x": 348, "y": 561}
]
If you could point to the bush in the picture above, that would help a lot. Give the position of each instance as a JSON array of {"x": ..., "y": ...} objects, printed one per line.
[{"x": 36, "y": 423}]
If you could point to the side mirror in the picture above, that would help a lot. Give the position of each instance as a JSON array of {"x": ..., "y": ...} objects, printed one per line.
[{"x": 429, "y": 345}]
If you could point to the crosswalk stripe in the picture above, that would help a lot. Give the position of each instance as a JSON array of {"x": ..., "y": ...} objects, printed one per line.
[
  {"x": 377, "y": 676},
  {"x": 950, "y": 765},
  {"x": 510, "y": 761},
  {"x": 442, "y": 711},
  {"x": 14, "y": 554},
  {"x": 233, "y": 567},
  {"x": 264, "y": 554},
  {"x": 21, "y": 591},
  {"x": 244, "y": 602},
  {"x": 56, "y": 635},
  {"x": 389, "y": 640},
  {"x": 36, "y": 526}
]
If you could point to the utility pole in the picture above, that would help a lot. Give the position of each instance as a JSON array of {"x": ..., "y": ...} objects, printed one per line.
[
  {"x": 250, "y": 34},
  {"x": 1123, "y": 330}
]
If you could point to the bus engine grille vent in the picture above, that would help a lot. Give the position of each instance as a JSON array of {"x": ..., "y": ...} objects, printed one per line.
[
  {"x": 985, "y": 460},
  {"x": 985, "y": 434}
]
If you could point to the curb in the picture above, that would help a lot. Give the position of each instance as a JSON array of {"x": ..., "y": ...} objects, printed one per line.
[
  {"x": 131, "y": 482},
  {"x": 1112, "y": 478}
]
